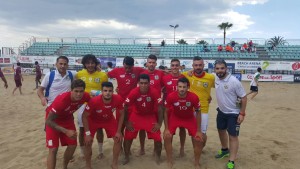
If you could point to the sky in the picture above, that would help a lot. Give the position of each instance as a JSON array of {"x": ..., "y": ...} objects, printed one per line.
[{"x": 197, "y": 19}]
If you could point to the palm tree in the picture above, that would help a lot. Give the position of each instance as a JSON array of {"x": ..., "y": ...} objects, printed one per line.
[
  {"x": 202, "y": 42},
  {"x": 224, "y": 26},
  {"x": 182, "y": 41},
  {"x": 277, "y": 40}
]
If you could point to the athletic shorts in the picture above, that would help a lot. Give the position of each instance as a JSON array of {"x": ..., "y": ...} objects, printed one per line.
[
  {"x": 110, "y": 127},
  {"x": 254, "y": 88},
  {"x": 142, "y": 122},
  {"x": 189, "y": 124},
  {"x": 79, "y": 116},
  {"x": 53, "y": 136},
  {"x": 18, "y": 83},
  {"x": 229, "y": 122}
]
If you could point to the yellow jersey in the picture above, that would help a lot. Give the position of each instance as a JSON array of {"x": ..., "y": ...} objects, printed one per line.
[
  {"x": 92, "y": 81},
  {"x": 201, "y": 86}
]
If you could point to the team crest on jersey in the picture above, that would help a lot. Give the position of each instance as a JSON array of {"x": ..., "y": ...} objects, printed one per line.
[
  {"x": 188, "y": 104},
  {"x": 176, "y": 104},
  {"x": 139, "y": 99},
  {"x": 133, "y": 76},
  {"x": 205, "y": 84},
  {"x": 156, "y": 77},
  {"x": 122, "y": 76},
  {"x": 225, "y": 87},
  {"x": 98, "y": 111},
  {"x": 83, "y": 78},
  {"x": 97, "y": 80},
  {"x": 148, "y": 99},
  {"x": 169, "y": 83},
  {"x": 127, "y": 100},
  {"x": 87, "y": 107}
]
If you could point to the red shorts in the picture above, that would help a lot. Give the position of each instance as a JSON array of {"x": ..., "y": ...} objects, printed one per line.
[
  {"x": 110, "y": 127},
  {"x": 18, "y": 83},
  {"x": 38, "y": 77},
  {"x": 53, "y": 136},
  {"x": 142, "y": 122},
  {"x": 189, "y": 124}
]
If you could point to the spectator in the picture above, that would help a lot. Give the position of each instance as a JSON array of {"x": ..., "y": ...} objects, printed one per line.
[
  {"x": 254, "y": 49},
  {"x": 149, "y": 45},
  {"x": 244, "y": 47},
  {"x": 163, "y": 43},
  {"x": 206, "y": 49},
  {"x": 220, "y": 48},
  {"x": 228, "y": 48}
]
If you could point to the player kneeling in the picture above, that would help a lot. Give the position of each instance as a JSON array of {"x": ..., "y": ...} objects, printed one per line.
[{"x": 99, "y": 114}]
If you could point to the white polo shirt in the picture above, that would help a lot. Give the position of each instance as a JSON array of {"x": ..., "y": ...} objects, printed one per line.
[
  {"x": 59, "y": 85},
  {"x": 255, "y": 76},
  {"x": 227, "y": 91}
]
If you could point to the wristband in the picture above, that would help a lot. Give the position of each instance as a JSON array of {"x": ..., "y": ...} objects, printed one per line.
[
  {"x": 242, "y": 113},
  {"x": 87, "y": 133}
]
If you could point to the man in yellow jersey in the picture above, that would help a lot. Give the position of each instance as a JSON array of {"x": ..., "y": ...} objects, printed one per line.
[
  {"x": 93, "y": 80},
  {"x": 201, "y": 83}
]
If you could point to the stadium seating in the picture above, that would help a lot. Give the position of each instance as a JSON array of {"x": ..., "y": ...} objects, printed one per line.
[{"x": 291, "y": 52}]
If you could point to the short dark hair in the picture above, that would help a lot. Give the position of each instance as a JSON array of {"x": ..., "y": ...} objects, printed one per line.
[
  {"x": 62, "y": 57},
  {"x": 151, "y": 56},
  {"x": 259, "y": 69},
  {"x": 36, "y": 62},
  {"x": 107, "y": 84},
  {"x": 128, "y": 61},
  {"x": 197, "y": 58},
  {"x": 18, "y": 63},
  {"x": 109, "y": 64},
  {"x": 161, "y": 67},
  {"x": 184, "y": 80},
  {"x": 88, "y": 57},
  {"x": 144, "y": 76},
  {"x": 77, "y": 83},
  {"x": 175, "y": 60},
  {"x": 220, "y": 61}
]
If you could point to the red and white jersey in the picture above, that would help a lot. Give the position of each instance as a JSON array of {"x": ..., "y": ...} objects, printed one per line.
[
  {"x": 100, "y": 111},
  {"x": 64, "y": 107},
  {"x": 183, "y": 108},
  {"x": 126, "y": 81},
  {"x": 170, "y": 83},
  {"x": 155, "y": 78},
  {"x": 144, "y": 104}
]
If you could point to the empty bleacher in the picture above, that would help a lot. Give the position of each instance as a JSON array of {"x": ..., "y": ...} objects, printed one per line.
[{"x": 187, "y": 51}]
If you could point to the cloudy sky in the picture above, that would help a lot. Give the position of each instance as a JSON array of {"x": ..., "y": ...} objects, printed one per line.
[{"x": 20, "y": 20}]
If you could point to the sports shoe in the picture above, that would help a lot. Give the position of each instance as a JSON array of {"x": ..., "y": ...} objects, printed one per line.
[
  {"x": 230, "y": 165},
  {"x": 221, "y": 154}
]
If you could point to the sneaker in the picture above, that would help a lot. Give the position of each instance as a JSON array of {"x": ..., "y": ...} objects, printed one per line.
[
  {"x": 221, "y": 154},
  {"x": 230, "y": 165}
]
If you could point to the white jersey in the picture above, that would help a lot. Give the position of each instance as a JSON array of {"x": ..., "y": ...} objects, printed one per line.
[
  {"x": 255, "y": 76},
  {"x": 59, "y": 85},
  {"x": 227, "y": 92}
]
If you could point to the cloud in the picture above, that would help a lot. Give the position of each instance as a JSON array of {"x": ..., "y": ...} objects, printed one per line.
[{"x": 113, "y": 18}]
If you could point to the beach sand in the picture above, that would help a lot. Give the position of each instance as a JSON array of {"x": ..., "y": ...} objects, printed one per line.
[{"x": 269, "y": 136}]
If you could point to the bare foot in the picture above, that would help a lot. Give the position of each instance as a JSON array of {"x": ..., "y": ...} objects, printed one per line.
[
  {"x": 181, "y": 153},
  {"x": 141, "y": 153},
  {"x": 114, "y": 166},
  {"x": 125, "y": 160},
  {"x": 170, "y": 165},
  {"x": 157, "y": 159},
  {"x": 72, "y": 159},
  {"x": 197, "y": 166},
  {"x": 100, "y": 156}
]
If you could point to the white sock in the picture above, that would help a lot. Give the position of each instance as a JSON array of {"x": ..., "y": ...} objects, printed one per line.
[
  {"x": 82, "y": 150},
  {"x": 100, "y": 145}
]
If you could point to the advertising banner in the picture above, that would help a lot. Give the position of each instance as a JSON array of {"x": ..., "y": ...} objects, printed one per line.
[
  {"x": 297, "y": 78},
  {"x": 269, "y": 78}
]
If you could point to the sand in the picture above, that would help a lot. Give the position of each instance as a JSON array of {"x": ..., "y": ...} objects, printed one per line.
[{"x": 269, "y": 136}]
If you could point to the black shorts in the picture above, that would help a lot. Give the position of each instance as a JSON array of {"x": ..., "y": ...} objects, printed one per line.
[
  {"x": 229, "y": 122},
  {"x": 254, "y": 88}
]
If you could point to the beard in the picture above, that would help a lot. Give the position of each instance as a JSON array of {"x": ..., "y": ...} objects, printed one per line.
[{"x": 221, "y": 75}]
